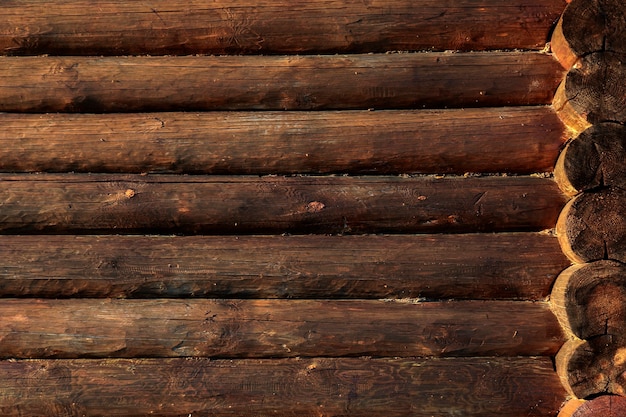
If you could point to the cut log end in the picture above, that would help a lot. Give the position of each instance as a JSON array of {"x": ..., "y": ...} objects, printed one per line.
[
  {"x": 590, "y": 368},
  {"x": 594, "y": 90},
  {"x": 604, "y": 406},
  {"x": 561, "y": 48},
  {"x": 604, "y": 23},
  {"x": 588, "y": 299},
  {"x": 571, "y": 118},
  {"x": 570, "y": 407},
  {"x": 593, "y": 159},
  {"x": 591, "y": 227}
]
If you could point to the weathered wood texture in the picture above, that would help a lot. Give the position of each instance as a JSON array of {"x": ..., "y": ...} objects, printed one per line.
[
  {"x": 593, "y": 159},
  {"x": 593, "y": 91},
  {"x": 291, "y": 387},
  {"x": 605, "y": 406},
  {"x": 124, "y": 84},
  {"x": 82, "y": 203},
  {"x": 516, "y": 140},
  {"x": 588, "y": 368},
  {"x": 119, "y": 27},
  {"x": 591, "y": 226},
  {"x": 77, "y": 328},
  {"x": 476, "y": 266},
  {"x": 570, "y": 407},
  {"x": 589, "y": 299},
  {"x": 588, "y": 26}
]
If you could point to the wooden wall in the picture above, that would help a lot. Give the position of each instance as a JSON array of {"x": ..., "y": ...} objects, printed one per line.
[{"x": 290, "y": 208}]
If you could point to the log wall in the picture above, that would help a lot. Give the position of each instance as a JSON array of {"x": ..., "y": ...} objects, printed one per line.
[{"x": 329, "y": 208}]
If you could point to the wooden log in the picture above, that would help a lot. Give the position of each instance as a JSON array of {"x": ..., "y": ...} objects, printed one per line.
[
  {"x": 79, "y": 328},
  {"x": 517, "y": 140},
  {"x": 588, "y": 368},
  {"x": 125, "y": 84},
  {"x": 570, "y": 407},
  {"x": 287, "y": 387},
  {"x": 591, "y": 226},
  {"x": 502, "y": 266},
  {"x": 117, "y": 27},
  {"x": 605, "y": 406},
  {"x": 88, "y": 204},
  {"x": 589, "y": 299},
  {"x": 593, "y": 159},
  {"x": 588, "y": 26},
  {"x": 593, "y": 92}
]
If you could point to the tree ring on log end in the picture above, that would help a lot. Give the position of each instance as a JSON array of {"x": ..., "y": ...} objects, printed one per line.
[
  {"x": 592, "y": 226},
  {"x": 588, "y": 368},
  {"x": 593, "y": 91},
  {"x": 604, "y": 406},
  {"x": 593, "y": 159},
  {"x": 594, "y": 25},
  {"x": 590, "y": 299}
]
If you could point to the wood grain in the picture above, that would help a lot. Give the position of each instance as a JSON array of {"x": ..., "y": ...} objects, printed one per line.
[
  {"x": 117, "y": 27},
  {"x": 478, "y": 266},
  {"x": 302, "y": 387},
  {"x": 603, "y": 22},
  {"x": 588, "y": 368},
  {"x": 588, "y": 299},
  {"x": 126, "y": 84},
  {"x": 79, "y": 328},
  {"x": 88, "y": 204},
  {"x": 513, "y": 139},
  {"x": 593, "y": 159},
  {"x": 591, "y": 226},
  {"x": 592, "y": 91},
  {"x": 605, "y": 406}
]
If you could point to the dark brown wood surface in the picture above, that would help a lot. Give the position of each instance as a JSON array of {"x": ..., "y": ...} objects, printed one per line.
[
  {"x": 118, "y": 27},
  {"x": 512, "y": 139},
  {"x": 591, "y": 226},
  {"x": 593, "y": 159},
  {"x": 588, "y": 368},
  {"x": 88, "y": 204},
  {"x": 291, "y": 387},
  {"x": 604, "y": 23},
  {"x": 124, "y": 84},
  {"x": 593, "y": 91},
  {"x": 604, "y": 406},
  {"x": 475, "y": 266},
  {"x": 589, "y": 299},
  {"x": 77, "y": 328}
]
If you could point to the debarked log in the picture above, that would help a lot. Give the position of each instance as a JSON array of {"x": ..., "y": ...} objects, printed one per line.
[
  {"x": 476, "y": 266},
  {"x": 78, "y": 328},
  {"x": 282, "y": 387},
  {"x": 117, "y": 27},
  {"x": 593, "y": 159},
  {"x": 590, "y": 299},
  {"x": 194, "y": 83},
  {"x": 588, "y": 26},
  {"x": 510, "y": 140},
  {"x": 90, "y": 204},
  {"x": 592, "y": 226}
]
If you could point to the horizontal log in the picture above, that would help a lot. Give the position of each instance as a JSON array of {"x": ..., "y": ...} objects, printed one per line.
[
  {"x": 79, "y": 328},
  {"x": 591, "y": 226},
  {"x": 589, "y": 299},
  {"x": 117, "y": 27},
  {"x": 288, "y": 387},
  {"x": 88, "y": 204},
  {"x": 516, "y": 140},
  {"x": 478, "y": 266},
  {"x": 594, "y": 159},
  {"x": 125, "y": 84}
]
